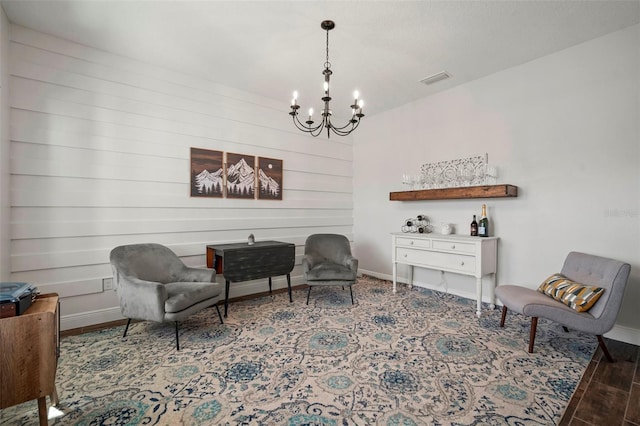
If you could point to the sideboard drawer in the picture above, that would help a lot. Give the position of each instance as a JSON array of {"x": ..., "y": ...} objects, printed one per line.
[
  {"x": 454, "y": 246},
  {"x": 413, "y": 242},
  {"x": 437, "y": 260}
]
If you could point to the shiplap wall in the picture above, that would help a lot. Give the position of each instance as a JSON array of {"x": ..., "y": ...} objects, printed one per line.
[
  {"x": 100, "y": 157},
  {"x": 5, "y": 204}
]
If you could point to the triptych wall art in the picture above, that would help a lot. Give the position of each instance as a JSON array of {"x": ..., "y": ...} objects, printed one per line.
[{"x": 217, "y": 174}]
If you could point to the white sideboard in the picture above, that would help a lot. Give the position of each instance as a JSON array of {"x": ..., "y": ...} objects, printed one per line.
[{"x": 474, "y": 256}]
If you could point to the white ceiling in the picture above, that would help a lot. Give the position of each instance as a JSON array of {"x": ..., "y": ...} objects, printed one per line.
[{"x": 381, "y": 48}]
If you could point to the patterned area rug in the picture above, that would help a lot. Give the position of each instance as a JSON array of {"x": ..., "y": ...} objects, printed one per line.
[{"x": 418, "y": 357}]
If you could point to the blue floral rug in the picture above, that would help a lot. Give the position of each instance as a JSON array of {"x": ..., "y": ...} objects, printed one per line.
[{"x": 418, "y": 357}]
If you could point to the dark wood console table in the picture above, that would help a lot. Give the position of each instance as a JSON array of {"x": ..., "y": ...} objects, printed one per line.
[{"x": 243, "y": 262}]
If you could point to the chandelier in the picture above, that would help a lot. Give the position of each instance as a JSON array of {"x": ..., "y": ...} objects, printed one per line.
[{"x": 310, "y": 126}]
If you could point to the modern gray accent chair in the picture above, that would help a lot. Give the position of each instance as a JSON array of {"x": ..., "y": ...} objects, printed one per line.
[
  {"x": 153, "y": 284},
  {"x": 586, "y": 269},
  {"x": 328, "y": 261}
]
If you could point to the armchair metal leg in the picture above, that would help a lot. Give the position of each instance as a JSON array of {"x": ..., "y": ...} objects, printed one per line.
[
  {"x": 504, "y": 315},
  {"x": 308, "y": 294},
  {"x": 126, "y": 328},
  {"x": 566, "y": 330},
  {"x": 351, "y": 290},
  {"x": 532, "y": 334},
  {"x": 177, "y": 339},
  {"x": 219, "y": 314},
  {"x": 603, "y": 346}
]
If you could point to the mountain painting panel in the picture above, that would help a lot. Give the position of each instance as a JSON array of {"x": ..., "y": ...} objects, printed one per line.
[
  {"x": 269, "y": 179},
  {"x": 241, "y": 176},
  {"x": 207, "y": 175}
]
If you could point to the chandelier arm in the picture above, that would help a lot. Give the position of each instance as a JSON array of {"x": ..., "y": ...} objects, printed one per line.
[
  {"x": 307, "y": 129},
  {"x": 341, "y": 132},
  {"x": 352, "y": 124},
  {"x": 349, "y": 124},
  {"x": 345, "y": 132}
]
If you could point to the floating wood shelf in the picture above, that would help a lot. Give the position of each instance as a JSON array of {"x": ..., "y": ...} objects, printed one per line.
[{"x": 482, "y": 191}]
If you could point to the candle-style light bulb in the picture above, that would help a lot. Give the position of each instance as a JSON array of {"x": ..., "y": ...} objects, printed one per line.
[
  {"x": 326, "y": 86},
  {"x": 295, "y": 95},
  {"x": 360, "y": 104},
  {"x": 310, "y": 112},
  {"x": 356, "y": 95}
]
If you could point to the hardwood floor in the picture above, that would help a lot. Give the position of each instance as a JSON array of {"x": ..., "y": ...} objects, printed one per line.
[{"x": 609, "y": 393}]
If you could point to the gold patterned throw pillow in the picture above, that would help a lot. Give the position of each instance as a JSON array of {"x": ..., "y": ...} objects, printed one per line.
[{"x": 575, "y": 295}]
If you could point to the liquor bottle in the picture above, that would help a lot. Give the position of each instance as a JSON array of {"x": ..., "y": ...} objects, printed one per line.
[
  {"x": 474, "y": 227},
  {"x": 483, "y": 226}
]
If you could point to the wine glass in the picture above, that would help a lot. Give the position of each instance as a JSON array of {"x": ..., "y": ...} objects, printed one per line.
[
  {"x": 406, "y": 181},
  {"x": 492, "y": 175}
]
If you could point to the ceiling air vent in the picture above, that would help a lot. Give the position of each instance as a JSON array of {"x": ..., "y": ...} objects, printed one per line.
[{"x": 442, "y": 75}]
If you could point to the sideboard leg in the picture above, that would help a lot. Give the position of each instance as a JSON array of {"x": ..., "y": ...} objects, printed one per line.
[
  {"x": 410, "y": 276},
  {"x": 395, "y": 276},
  {"x": 492, "y": 292},
  {"x": 289, "y": 285},
  {"x": 479, "y": 296}
]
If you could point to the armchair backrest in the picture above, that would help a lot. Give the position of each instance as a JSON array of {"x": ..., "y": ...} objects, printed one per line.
[
  {"x": 610, "y": 274},
  {"x": 332, "y": 247},
  {"x": 149, "y": 262}
]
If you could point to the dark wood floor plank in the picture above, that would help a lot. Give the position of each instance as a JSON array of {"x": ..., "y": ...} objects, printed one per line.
[
  {"x": 578, "y": 422},
  {"x": 633, "y": 406},
  {"x": 602, "y": 405},
  {"x": 577, "y": 395},
  {"x": 618, "y": 374},
  {"x": 623, "y": 351}
]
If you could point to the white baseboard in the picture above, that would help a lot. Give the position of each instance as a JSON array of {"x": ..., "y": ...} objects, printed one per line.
[
  {"x": 624, "y": 334},
  {"x": 619, "y": 332},
  {"x": 85, "y": 319}
]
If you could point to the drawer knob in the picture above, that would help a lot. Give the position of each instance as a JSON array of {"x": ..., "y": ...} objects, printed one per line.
[
  {"x": 405, "y": 255},
  {"x": 461, "y": 263},
  {"x": 411, "y": 243},
  {"x": 453, "y": 246}
]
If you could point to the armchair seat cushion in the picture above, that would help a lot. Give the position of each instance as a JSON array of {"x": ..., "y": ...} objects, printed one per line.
[
  {"x": 330, "y": 271},
  {"x": 532, "y": 303},
  {"x": 182, "y": 295}
]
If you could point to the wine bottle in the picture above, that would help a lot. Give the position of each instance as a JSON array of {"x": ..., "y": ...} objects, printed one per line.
[
  {"x": 474, "y": 227},
  {"x": 483, "y": 225}
]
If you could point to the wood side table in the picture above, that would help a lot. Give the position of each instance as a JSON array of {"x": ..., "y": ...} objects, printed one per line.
[
  {"x": 30, "y": 350},
  {"x": 243, "y": 262}
]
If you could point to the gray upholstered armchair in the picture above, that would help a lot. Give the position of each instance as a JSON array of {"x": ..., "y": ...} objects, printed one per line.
[
  {"x": 587, "y": 270},
  {"x": 328, "y": 261},
  {"x": 154, "y": 285}
]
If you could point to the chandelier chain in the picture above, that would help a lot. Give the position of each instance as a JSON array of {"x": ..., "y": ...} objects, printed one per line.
[{"x": 327, "y": 64}]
